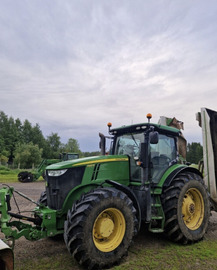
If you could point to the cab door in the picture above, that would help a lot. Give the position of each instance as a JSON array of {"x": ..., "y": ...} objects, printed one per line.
[{"x": 162, "y": 156}]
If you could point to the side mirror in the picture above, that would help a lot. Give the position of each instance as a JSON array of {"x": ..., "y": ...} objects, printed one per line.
[{"x": 154, "y": 137}]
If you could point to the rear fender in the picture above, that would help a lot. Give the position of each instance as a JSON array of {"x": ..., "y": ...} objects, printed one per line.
[{"x": 178, "y": 170}]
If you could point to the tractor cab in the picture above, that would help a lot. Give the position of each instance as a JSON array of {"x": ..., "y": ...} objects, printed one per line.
[{"x": 149, "y": 146}]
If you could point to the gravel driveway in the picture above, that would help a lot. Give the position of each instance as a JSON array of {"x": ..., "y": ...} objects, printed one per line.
[{"x": 48, "y": 247}]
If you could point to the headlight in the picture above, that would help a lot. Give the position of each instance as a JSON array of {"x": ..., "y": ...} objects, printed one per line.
[{"x": 56, "y": 172}]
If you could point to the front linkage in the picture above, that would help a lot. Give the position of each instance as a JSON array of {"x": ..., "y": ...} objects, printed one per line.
[{"x": 41, "y": 225}]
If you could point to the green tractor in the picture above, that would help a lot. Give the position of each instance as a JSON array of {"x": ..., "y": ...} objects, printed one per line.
[
  {"x": 99, "y": 203},
  {"x": 26, "y": 176}
]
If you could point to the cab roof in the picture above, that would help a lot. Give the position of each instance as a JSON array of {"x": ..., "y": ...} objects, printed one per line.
[{"x": 142, "y": 126}]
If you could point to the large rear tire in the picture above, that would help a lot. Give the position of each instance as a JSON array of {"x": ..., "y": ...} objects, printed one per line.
[
  {"x": 187, "y": 208},
  {"x": 100, "y": 227}
]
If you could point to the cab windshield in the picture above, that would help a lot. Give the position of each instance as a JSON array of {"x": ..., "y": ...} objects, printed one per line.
[
  {"x": 161, "y": 155},
  {"x": 129, "y": 144}
]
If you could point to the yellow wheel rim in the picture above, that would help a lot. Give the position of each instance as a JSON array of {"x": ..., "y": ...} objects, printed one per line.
[
  {"x": 193, "y": 209},
  {"x": 109, "y": 229}
]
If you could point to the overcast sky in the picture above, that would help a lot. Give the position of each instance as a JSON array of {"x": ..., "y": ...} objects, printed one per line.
[{"x": 73, "y": 65}]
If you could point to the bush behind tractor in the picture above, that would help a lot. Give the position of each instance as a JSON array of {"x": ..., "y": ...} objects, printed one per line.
[
  {"x": 26, "y": 176},
  {"x": 99, "y": 203}
]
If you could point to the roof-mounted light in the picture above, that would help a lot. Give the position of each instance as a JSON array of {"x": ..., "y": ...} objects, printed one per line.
[
  {"x": 109, "y": 125},
  {"x": 149, "y": 116}
]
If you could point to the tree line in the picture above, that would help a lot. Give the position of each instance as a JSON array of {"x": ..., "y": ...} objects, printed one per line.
[
  {"x": 23, "y": 144},
  {"x": 194, "y": 152}
]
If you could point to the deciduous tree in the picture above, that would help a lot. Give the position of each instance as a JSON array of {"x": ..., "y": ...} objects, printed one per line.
[
  {"x": 194, "y": 152},
  {"x": 27, "y": 155}
]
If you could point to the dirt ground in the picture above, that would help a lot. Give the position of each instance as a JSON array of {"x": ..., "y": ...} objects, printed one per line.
[{"x": 47, "y": 247}]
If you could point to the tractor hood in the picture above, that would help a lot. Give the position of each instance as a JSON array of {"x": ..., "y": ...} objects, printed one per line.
[
  {"x": 87, "y": 161},
  {"x": 83, "y": 173}
]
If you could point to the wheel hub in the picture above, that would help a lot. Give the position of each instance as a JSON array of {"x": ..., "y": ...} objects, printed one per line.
[
  {"x": 104, "y": 227},
  {"x": 109, "y": 229},
  {"x": 193, "y": 209},
  {"x": 188, "y": 206}
]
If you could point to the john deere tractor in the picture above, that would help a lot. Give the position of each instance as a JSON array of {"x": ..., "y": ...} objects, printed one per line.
[{"x": 99, "y": 203}]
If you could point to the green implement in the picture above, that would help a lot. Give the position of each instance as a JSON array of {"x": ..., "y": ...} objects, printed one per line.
[{"x": 26, "y": 176}]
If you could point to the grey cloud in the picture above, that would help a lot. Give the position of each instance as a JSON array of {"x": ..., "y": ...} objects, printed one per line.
[{"x": 72, "y": 66}]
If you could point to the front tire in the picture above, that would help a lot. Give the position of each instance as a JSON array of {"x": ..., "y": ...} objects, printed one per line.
[
  {"x": 187, "y": 208},
  {"x": 100, "y": 227}
]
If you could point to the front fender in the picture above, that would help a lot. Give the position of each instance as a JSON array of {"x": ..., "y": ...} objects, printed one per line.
[{"x": 75, "y": 194}]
